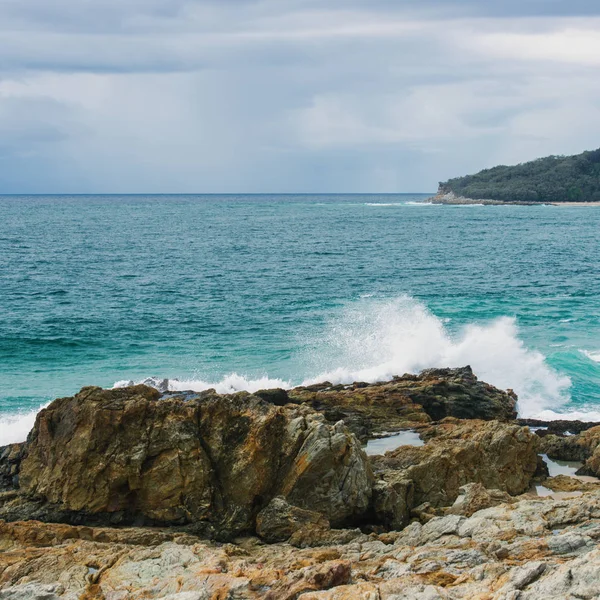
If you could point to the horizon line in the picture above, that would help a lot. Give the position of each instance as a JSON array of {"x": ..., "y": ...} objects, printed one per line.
[{"x": 8, "y": 194}]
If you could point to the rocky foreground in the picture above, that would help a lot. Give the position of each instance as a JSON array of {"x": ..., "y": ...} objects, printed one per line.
[{"x": 135, "y": 493}]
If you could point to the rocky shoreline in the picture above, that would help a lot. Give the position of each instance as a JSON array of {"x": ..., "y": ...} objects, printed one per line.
[
  {"x": 444, "y": 197},
  {"x": 136, "y": 493}
]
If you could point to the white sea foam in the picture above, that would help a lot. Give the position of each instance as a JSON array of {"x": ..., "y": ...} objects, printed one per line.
[
  {"x": 569, "y": 415},
  {"x": 15, "y": 427},
  {"x": 595, "y": 356},
  {"x": 228, "y": 385},
  {"x": 375, "y": 340}
]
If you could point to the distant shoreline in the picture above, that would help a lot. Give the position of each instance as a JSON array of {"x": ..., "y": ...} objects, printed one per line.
[{"x": 451, "y": 199}]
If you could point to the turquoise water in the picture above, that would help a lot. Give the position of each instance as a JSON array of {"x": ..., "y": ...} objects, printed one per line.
[{"x": 242, "y": 292}]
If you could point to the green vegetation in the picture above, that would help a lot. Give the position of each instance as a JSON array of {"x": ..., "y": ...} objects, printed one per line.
[{"x": 551, "y": 179}]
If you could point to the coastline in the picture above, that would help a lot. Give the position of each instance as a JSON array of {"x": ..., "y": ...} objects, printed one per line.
[
  {"x": 275, "y": 495},
  {"x": 451, "y": 199}
]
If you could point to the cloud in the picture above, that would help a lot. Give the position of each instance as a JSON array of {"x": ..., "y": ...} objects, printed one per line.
[{"x": 293, "y": 95}]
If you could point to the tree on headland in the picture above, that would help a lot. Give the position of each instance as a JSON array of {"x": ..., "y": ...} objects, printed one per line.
[{"x": 550, "y": 179}]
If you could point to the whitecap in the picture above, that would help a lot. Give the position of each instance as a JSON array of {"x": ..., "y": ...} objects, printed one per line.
[
  {"x": 227, "y": 385},
  {"x": 595, "y": 355},
  {"x": 373, "y": 340}
]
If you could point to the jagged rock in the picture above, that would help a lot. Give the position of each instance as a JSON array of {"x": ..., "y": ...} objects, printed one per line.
[
  {"x": 560, "y": 426},
  {"x": 276, "y": 396},
  {"x": 279, "y": 520},
  {"x": 564, "y": 483},
  {"x": 127, "y": 456},
  {"x": 591, "y": 440},
  {"x": 497, "y": 455},
  {"x": 570, "y": 448},
  {"x": 10, "y": 464},
  {"x": 576, "y": 579},
  {"x": 393, "y": 499},
  {"x": 368, "y": 409},
  {"x": 474, "y": 497},
  {"x": 32, "y": 591}
]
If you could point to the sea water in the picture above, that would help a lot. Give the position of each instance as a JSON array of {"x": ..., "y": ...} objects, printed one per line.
[{"x": 248, "y": 292}]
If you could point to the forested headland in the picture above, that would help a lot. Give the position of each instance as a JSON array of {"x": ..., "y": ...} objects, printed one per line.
[{"x": 550, "y": 179}]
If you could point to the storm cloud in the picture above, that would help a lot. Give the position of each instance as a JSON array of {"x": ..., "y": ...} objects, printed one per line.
[{"x": 289, "y": 95}]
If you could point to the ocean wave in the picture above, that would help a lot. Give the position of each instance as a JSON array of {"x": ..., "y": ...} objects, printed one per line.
[
  {"x": 373, "y": 340},
  {"x": 595, "y": 356},
  {"x": 587, "y": 414},
  {"x": 228, "y": 385},
  {"x": 15, "y": 427}
]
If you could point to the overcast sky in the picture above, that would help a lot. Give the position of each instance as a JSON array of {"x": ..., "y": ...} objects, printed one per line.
[{"x": 289, "y": 95}]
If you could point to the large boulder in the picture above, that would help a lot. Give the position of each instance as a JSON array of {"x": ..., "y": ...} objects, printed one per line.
[
  {"x": 279, "y": 520},
  {"x": 496, "y": 455},
  {"x": 391, "y": 406},
  {"x": 590, "y": 440},
  {"x": 128, "y": 455}
]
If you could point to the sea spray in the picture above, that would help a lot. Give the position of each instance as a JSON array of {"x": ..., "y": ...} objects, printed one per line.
[
  {"x": 373, "y": 340},
  {"x": 14, "y": 427}
]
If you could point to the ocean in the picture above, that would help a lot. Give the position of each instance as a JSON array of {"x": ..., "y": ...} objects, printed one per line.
[{"x": 251, "y": 291}]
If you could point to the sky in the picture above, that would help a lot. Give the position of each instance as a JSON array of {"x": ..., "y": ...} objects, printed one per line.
[{"x": 267, "y": 96}]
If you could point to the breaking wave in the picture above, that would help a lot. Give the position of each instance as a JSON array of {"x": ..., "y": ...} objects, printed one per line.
[
  {"x": 595, "y": 356},
  {"x": 14, "y": 427},
  {"x": 373, "y": 340},
  {"x": 228, "y": 385}
]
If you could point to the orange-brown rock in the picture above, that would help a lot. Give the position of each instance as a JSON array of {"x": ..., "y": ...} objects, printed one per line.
[
  {"x": 391, "y": 406},
  {"x": 530, "y": 549},
  {"x": 497, "y": 455},
  {"x": 591, "y": 440},
  {"x": 127, "y": 455}
]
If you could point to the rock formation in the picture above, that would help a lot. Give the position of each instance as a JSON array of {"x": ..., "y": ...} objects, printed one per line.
[
  {"x": 582, "y": 447},
  {"x": 526, "y": 550},
  {"x": 127, "y": 456},
  {"x": 496, "y": 455},
  {"x": 368, "y": 409},
  {"x": 200, "y": 475}
]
